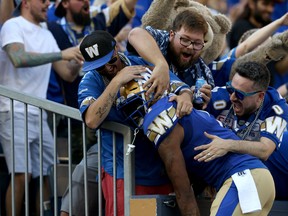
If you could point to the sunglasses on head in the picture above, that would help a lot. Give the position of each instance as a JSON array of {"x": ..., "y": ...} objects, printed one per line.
[
  {"x": 110, "y": 62},
  {"x": 239, "y": 94}
]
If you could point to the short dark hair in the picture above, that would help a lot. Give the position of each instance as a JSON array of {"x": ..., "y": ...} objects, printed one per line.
[
  {"x": 247, "y": 34},
  {"x": 256, "y": 72},
  {"x": 247, "y": 10},
  {"x": 190, "y": 20}
]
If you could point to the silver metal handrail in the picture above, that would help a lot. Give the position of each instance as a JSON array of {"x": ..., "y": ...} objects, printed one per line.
[{"x": 71, "y": 113}]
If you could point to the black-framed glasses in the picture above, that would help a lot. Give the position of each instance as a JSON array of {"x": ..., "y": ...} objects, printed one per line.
[
  {"x": 186, "y": 42},
  {"x": 239, "y": 94},
  {"x": 110, "y": 62}
]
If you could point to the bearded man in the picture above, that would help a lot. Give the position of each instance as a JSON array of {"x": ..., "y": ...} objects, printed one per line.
[{"x": 181, "y": 47}]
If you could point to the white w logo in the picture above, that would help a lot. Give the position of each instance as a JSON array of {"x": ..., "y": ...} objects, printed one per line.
[
  {"x": 274, "y": 125},
  {"x": 163, "y": 122},
  {"x": 92, "y": 50}
]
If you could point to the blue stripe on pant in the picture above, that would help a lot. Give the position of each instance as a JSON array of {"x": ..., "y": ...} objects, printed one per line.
[{"x": 229, "y": 202}]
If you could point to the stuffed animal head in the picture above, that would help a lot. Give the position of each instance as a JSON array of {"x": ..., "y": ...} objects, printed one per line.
[
  {"x": 219, "y": 25},
  {"x": 277, "y": 48},
  {"x": 273, "y": 50}
]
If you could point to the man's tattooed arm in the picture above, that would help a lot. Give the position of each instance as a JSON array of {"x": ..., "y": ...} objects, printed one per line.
[
  {"x": 20, "y": 58},
  {"x": 106, "y": 106}
]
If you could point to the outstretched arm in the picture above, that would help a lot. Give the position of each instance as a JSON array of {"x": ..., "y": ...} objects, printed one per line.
[
  {"x": 261, "y": 35},
  {"x": 20, "y": 58},
  {"x": 148, "y": 49},
  {"x": 128, "y": 7},
  {"x": 130, "y": 4},
  {"x": 67, "y": 62},
  {"x": 70, "y": 65},
  {"x": 219, "y": 147},
  {"x": 171, "y": 154}
]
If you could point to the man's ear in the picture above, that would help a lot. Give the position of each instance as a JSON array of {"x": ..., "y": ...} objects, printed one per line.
[
  {"x": 24, "y": 3},
  {"x": 251, "y": 5},
  {"x": 261, "y": 96},
  {"x": 171, "y": 35},
  {"x": 65, "y": 4}
]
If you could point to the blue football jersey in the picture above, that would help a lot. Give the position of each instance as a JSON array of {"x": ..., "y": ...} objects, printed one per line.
[
  {"x": 277, "y": 163},
  {"x": 271, "y": 122},
  {"x": 160, "y": 120}
]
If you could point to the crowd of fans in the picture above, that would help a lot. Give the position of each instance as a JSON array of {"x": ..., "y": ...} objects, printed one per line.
[{"x": 44, "y": 53}]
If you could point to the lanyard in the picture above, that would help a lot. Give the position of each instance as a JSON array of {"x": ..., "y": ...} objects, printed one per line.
[
  {"x": 246, "y": 128},
  {"x": 72, "y": 35}
]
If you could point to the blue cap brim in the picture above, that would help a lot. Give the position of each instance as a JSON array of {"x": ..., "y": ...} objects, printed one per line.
[{"x": 88, "y": 66}]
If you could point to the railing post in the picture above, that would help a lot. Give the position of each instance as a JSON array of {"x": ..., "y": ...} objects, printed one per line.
[
  {"x": 128, "y": 160},
  {"x": 129, "y": 178},
  {"x": 69, "y": 112}
]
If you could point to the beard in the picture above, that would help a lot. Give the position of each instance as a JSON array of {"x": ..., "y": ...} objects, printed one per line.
[
  {"x": 37, "y": 16},
  {"x": 259, "y": 18},
  {"x": 80, "y": 19},
  {"x": 175, "y": 58}
]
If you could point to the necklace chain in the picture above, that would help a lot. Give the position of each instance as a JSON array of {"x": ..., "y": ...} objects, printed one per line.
[{"x": 246, "y": 131}]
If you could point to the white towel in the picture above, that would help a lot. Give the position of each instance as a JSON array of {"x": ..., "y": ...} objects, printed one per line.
[{"x": 247, "y": 192}]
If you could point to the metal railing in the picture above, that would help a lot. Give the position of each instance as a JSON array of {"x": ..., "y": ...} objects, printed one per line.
[{"x": 71, "y": 114}]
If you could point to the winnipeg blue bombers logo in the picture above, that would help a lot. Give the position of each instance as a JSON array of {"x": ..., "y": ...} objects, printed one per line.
[
  {"x": 161, "y": 124},
  {"x": 274, "y": 125},
  {"x": 92, "y": 50},
  {"x": 87, "y": 101}
]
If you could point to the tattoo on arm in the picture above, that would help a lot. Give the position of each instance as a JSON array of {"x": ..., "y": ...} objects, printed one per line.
[
  {"x": 106, "y": 107},
  {"x": 20, "y": 58}
]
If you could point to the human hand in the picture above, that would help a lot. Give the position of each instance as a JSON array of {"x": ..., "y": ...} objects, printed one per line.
[
  {"x": 74, "y": 67},
  {"x": 184, "y": 104},
  {"x": 129, "y": 73},
  {"x": 123, "y": 34},
  {"x": 159, "y": 81},
  {"x": 213, "y": 150},
  {"x": 72, "y": 53},
  {"x": 206, "y": 94}
]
